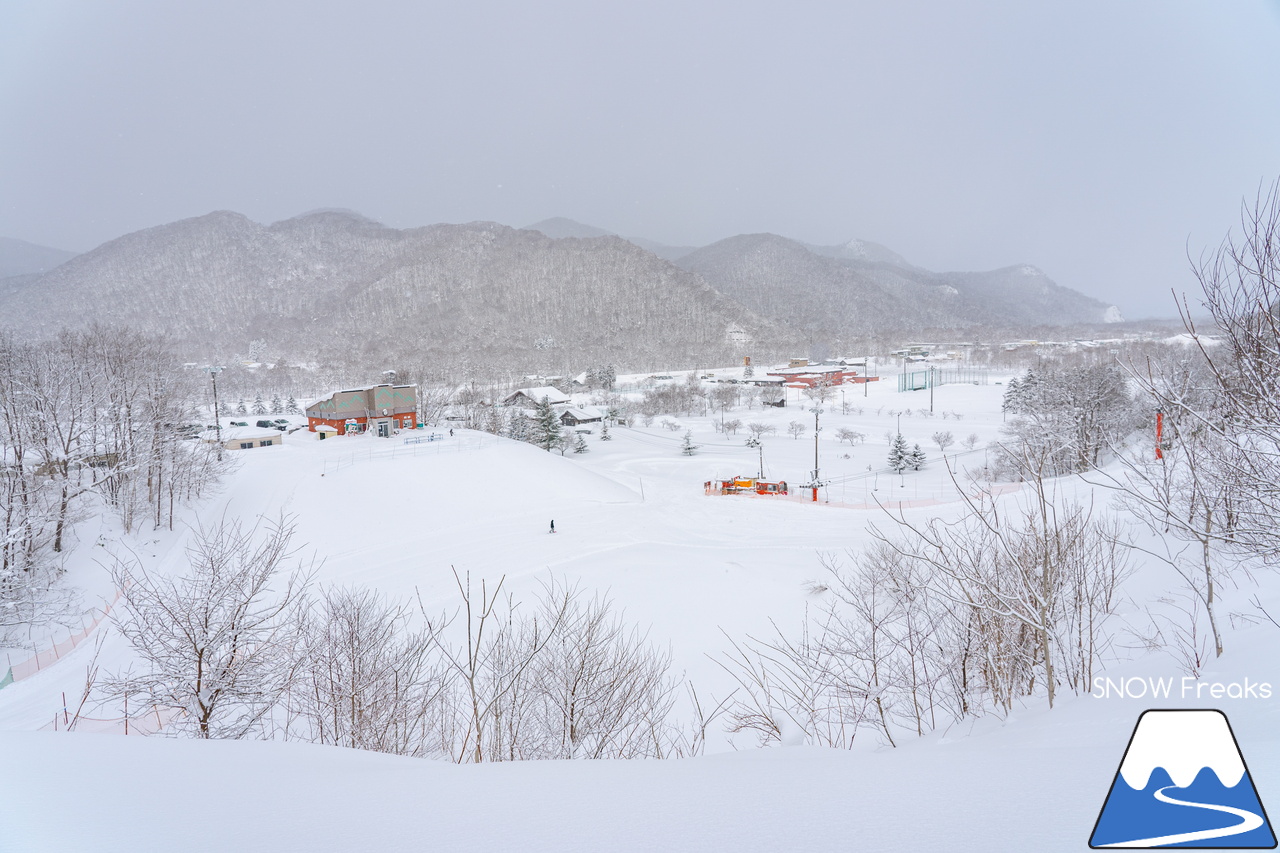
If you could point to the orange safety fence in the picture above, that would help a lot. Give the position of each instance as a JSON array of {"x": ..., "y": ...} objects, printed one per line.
[
  {"x": 46, "y": 658},
  {"x": 146, "y": 721}
]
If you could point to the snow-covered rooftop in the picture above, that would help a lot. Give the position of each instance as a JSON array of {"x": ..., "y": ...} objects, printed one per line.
[{"x": 541, "y": 392}]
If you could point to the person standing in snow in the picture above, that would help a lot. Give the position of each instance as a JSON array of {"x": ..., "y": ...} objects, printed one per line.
[{"x": 553, "y": 525}]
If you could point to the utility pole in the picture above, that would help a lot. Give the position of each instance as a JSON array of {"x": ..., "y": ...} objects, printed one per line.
[
  {"x": 817, "y": 410},
  {"x": 755, "y": 442},
  {"x": 213, "y": 371},
  {"x": 931, "y": 369},
  {"x": 866, "y": 374}
]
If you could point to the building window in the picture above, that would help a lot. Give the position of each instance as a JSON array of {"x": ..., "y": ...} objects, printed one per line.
[
  {"x": 266, "y": 443},
  {"x": 245, "y": 445}
]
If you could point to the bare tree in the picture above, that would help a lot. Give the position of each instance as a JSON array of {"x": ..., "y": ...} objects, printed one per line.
[
  {"x": 797, "y": 428},
  {"x": 218, "y": 642},
  {"x": 1038, "y": 581},
  {"x": 489, "y": 664},
  {"x": 1210, "y": 489},
  {"x": 367, "y": 680},
  {"x": 850, "y": 435},
  {"x": 600, "y": 690},
  {"x": 944, "y": 439},
  {"x": 759, "y": 429}
]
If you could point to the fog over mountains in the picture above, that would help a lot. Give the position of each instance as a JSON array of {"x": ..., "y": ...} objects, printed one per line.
[
  {"x": 18, "y": 257},
  {"x": 336, "y": 286}
]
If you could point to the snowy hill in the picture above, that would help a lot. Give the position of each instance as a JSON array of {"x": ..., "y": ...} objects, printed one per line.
[{"x": 695, "y": 571}]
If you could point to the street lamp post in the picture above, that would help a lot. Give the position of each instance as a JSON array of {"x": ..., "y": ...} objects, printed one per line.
[{"x": 213, "y": 371}]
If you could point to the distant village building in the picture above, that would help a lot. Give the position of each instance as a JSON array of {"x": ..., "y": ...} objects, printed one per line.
[
  {"x": 245, "y": 438},
  {"x": 530, "y": 397},
  {"x": 572, "y": 417},
  {"x": 814, "y": 374},
  {"x": 381, "y": 409}
]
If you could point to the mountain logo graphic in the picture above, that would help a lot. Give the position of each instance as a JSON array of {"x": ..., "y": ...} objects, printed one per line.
[{"x": 1183, "y": 783}]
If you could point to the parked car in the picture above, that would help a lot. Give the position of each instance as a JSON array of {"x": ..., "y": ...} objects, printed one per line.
[
  {"x": 239, "y": 423},
  {"x": 265, "y": 424}
]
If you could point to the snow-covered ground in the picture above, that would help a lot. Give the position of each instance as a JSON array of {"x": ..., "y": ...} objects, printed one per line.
[{"x": 632, "y": 519}]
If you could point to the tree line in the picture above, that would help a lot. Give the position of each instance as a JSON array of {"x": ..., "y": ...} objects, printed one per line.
[{"x": 89, "y": 421}]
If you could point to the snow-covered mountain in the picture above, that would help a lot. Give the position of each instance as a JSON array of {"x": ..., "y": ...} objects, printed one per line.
[
  {"x": 560, "y": 227},
  {"x": 333, "y": 284},
  {"x": 861, "y": 286}
]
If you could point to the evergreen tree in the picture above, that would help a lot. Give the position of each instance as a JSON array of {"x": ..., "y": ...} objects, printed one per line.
[
  {"x": 224, "y": 409},
  {"x": 604, "y": 431},
  {"x": 518, "y": 427},
  {"x": 277, "y": 407},
  {"x": 259, "y": 407},
  {"x": 291, "y": 407},
  {"x": 580, "y": 444},
  {"x": 493, "y": 421},
  {"x": 687, "y": 447},
  {"x": 1011, "y": 396},
  {"x": 240, "y": 408},
  {"x": 916, "y": 458},
  {"x": 748, "y": 371},
  {"x": 899, "y": 455},
  {"x": 546, "y": 426}
]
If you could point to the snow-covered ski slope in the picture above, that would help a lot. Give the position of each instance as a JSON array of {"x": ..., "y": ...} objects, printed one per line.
[{"x": 632, "y": 520}]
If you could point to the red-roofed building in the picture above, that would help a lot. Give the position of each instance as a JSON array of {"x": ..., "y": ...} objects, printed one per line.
[
  {"x": 813, "y": 374},
  {"x": 381, "y": 408}
]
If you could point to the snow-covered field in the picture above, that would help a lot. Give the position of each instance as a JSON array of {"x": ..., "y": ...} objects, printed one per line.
[{"x": 632, "y": 519}]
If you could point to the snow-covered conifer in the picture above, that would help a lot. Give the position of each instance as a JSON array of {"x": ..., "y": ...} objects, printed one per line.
[
  {"x": 687, "y": 447},
  {"x": 546, "y": 426},
  {"x": 899, "y": 454},
  {"x": 916, "y": 458}
]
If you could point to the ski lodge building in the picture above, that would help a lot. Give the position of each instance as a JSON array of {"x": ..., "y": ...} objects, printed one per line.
[
  {"x": 379, "y": 408},
  {"x": 244, "y": 438}
]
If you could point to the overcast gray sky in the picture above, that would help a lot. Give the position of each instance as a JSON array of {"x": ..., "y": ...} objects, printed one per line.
[{"x": 1096, "y": 140}]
